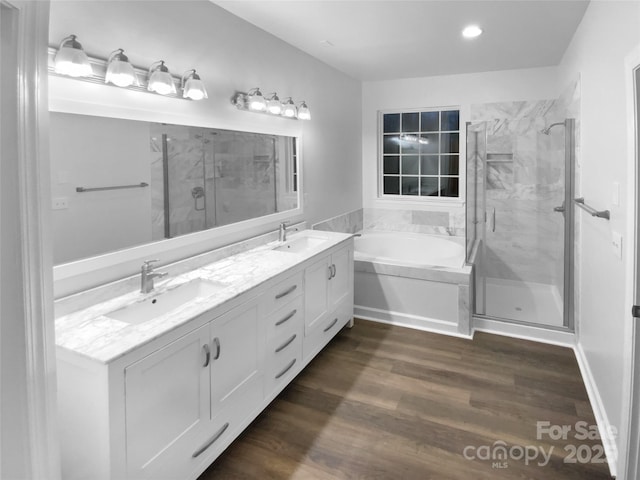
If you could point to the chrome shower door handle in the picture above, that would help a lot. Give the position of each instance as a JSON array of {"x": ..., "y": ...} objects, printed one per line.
[
  {"x": 493, "y": 222},
  {"x": 560, "y": 209}
]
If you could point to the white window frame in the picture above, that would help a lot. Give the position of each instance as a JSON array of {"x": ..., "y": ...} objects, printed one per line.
[{"x": 416, "y": 200}]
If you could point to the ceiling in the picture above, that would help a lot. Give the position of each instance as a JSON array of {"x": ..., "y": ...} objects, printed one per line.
[{"x": 389, "y": 39}]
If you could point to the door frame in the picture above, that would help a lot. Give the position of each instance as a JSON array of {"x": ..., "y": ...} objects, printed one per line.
[
  {"x": 629, "y": 456},
  {"x": 31, "y": 240}
]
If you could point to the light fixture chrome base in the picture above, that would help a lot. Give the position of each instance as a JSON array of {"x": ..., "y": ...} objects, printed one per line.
[
  {"x": 99, "y": 67},
  {"x": 241, "y": 101}
]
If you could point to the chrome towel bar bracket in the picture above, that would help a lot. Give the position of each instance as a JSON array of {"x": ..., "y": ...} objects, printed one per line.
[{"x": 590, "y": 210}]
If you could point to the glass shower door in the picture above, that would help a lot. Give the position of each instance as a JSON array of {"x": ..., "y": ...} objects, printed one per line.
[{"x": 521, "y": 215}]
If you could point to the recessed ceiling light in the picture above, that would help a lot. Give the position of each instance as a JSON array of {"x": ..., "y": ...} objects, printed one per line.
[{"x": 472, "y": 31}]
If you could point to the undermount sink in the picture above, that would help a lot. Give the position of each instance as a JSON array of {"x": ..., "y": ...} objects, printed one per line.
[
  {"x": 165, "y": 302},
  {"x": 300, "y": 244}
]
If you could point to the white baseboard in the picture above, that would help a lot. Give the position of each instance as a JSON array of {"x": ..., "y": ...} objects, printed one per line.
[
  {"x": 525, "y": 332},
  {"x": 408, "y": 321},
  {"x": 604, "y": 426}
]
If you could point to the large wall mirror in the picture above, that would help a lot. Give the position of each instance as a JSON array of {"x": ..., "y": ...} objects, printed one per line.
[{"x": 118, "y": 184}]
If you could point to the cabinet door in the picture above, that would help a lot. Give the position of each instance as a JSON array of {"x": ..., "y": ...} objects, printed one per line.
[
  {"x": 237, "y": 347},
  {"x": 316, "y": 293},
  {"x": 167, "y": 407},
  {"x": 341, "y": 285}
]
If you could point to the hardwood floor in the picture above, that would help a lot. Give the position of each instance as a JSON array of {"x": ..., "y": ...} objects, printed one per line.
[{"x": 384, "y": 402}]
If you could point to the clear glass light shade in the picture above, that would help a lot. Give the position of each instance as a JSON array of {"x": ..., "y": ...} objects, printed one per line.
[
  {"x": 193, "y": 87},
  {"x": 274, "y": 106},
  {"x": 303, "y": 112},
  {"x": 120, "y": 73},
  {"x": 257, "y": 102},
  {"x": 160, "y": 80},
  {"x": 71, "y": 59},
  {"x": 289, "y": 110}
]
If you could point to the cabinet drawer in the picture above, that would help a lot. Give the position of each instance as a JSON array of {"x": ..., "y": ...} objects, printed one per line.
[
  {"x": 284, "y": 364},
  {"x": 328, "y": 327},
  {"x": 284, "y": 321},
  {"x": 283, "y": 292}
]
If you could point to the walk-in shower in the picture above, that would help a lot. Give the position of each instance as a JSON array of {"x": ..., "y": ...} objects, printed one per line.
[{"x": 519, "y": 221}]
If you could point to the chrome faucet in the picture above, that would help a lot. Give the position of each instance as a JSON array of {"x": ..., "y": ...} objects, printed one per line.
[
  {"x": 147, "y": 274},
  {"x": 282, "y": 233}
]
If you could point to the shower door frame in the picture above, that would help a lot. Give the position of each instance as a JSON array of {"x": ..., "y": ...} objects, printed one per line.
[
  {"x": 568, "y": 241},
  {"x": 569, "y": 223}
]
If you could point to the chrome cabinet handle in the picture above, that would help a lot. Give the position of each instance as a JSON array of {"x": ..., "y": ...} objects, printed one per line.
[
  {"x": 217, "y": 435},
  {"x": 216, "y": 342},
  {"x": 332, "y": 271},
  {"x": 207, "y": 355},
  {"x": 286, "y": 292},
  {"x": 288, "y": 317},
  {"x": 335, "y": 320},
  {"x": 286, "y": 369},
  {"x": 286, "y": 344}
]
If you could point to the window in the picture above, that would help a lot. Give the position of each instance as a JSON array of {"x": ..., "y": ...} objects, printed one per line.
[{"x": 421, "y": 153}]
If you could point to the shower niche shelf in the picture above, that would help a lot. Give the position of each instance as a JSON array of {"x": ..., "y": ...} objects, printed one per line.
[{"x": 499, "y": 157}]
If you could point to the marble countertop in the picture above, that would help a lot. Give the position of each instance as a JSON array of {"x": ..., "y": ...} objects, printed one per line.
[{"x": 91, "y": 333}]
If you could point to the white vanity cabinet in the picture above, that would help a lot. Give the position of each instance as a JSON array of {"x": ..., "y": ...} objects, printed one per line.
[
  {"x": 167, "y": 408},
  {"x": 328, "y": 298}
]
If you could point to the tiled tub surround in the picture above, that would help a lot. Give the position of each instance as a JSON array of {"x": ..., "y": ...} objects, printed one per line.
[
  {"x": 437, "y": 222},
  {"x": 350, "y": 222},
  {"x": 426, "y": 297},
  {"x": 90, "y": 333}
]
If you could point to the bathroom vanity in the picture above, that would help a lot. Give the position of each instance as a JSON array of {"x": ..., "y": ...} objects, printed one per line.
[{"x": 157, "y": 385}]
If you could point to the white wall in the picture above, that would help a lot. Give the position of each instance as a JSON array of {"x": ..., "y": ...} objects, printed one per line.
[
  {"x": 230, "y": 55},
  {"x": 608, "y": 32},
  {"x": 447, "y": 90}
]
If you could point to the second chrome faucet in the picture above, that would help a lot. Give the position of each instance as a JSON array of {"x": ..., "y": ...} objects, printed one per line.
[{"x": 147, "y": 274}]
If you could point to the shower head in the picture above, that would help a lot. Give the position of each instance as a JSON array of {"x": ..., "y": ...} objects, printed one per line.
[{"x": 548, "y": 129}]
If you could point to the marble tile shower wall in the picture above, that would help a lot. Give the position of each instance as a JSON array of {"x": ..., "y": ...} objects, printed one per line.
[
  {"x": 186, "y": 169},
  {"x": 524, "y": 182}
]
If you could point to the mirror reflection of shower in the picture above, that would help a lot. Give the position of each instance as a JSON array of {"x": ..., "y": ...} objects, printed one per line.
[
  {"x": 547, "y": 130},
  {"x": 208, "y": 178}
]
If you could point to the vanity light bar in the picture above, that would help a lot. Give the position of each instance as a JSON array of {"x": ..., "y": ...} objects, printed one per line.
[
  {"x": 254, "y": 101},
  {"x": 99, "y": 69}
]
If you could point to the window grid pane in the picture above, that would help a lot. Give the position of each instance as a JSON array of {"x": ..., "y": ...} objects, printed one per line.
[{"x": 422, "y": 156}]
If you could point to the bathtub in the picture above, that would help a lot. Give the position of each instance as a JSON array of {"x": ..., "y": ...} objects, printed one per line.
[
  {"x": 410, "y": 249},
  {"x": 413, "y": 280}
]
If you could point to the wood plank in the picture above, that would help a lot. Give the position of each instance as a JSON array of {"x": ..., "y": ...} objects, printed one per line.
[{"x": 385, "y": 402}]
